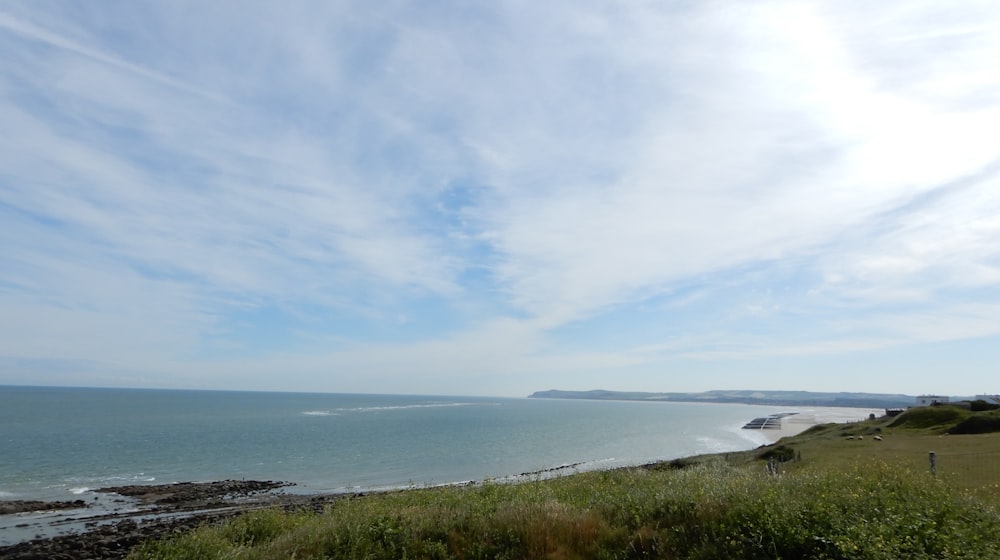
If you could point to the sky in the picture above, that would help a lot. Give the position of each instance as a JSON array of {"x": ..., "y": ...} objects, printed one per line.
[{"x": 493, "y": 198}]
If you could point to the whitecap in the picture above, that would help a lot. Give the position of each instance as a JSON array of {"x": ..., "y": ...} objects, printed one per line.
[
  {"x": 140, "y": 477},
  {"x": 318, "y": 413},
  {"x": 80, "y": 490},
  {"x": 407, "y": 406},
  {"x": 708, "y": 444}
]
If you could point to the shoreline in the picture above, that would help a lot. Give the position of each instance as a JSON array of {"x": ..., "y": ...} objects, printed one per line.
[
  {"x": 805, "y": 418},
  {"x": 119, "y": 518},
  {"x": 130, "y": 515},
  {"x": 109, "y": 528}
]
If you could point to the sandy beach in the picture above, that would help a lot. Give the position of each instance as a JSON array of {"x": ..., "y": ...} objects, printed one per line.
[{"x": 805, "y": 418}]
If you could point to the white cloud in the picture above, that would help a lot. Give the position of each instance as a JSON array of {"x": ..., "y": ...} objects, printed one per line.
[
  {"x": 772, "y": 150},
  {"x": 528, "y": 167}
]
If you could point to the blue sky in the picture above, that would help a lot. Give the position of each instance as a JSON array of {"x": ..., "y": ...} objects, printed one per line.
[{"x": 500, "y": 197}]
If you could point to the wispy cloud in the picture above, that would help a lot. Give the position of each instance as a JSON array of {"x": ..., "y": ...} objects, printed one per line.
[{"x": 466, "y": 198}]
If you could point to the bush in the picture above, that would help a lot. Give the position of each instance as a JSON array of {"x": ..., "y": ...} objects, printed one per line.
[
  {"x": 941, "y": 417},
  {"x": 983, "y": 423},
  {"x": 982, "y": 406},
  {"x": 781, "y": 453}
]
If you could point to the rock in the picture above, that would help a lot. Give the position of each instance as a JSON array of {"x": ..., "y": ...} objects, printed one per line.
[
  {"x": 113, "y": 540},
  {"x": 21, "y": 506}
]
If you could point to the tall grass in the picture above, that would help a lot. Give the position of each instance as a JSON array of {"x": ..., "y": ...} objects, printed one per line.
[{"x": 871, "y": 511}]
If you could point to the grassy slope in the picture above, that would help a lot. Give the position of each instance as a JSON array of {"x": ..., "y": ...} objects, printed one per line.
[
  {"x": 965, "y": 462},
  {"x": 844, "y": 499}
]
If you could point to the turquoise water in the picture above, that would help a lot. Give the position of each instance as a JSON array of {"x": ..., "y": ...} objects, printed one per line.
[{"x": 61, "y": 443}]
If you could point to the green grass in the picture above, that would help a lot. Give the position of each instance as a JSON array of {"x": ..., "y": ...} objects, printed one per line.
[
  {"x": 845, "y": 499},
  {"x": 967, "y": 463},
  {"x": 938, "y": 419},
  {"x": 984, "y": 423}
]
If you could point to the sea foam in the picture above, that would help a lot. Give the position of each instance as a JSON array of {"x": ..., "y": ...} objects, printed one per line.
[{"x": 407, "y": 406}]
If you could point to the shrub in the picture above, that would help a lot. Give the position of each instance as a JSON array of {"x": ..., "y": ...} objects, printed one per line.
[
  {"x": 983, "y": 423},
  {"x": 780, "y": 453},
  {"x": 982, "y": 406},
  {"x": 930, "y": 417}
]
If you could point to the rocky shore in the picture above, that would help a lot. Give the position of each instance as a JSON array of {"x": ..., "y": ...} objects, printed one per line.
[
  {"x": 161, "y": 511},
  {"x": 24, "y": 506}
]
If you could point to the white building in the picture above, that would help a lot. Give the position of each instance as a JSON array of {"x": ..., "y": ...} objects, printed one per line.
[{"x": 930, "y": 400}]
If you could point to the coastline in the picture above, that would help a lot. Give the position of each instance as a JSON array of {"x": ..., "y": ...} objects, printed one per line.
[
  {"x": 807, "y": 417},
  {"x": 129, "y": 515},
  {"x": 119, "y": 518},
  {"x": 125, "y": 516}
]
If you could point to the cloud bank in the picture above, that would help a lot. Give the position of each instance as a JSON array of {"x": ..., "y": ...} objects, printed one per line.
[{"x": 501, "y": 198}]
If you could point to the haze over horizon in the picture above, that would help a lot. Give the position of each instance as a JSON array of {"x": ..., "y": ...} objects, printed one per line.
[{"x": 499, "y": 198}]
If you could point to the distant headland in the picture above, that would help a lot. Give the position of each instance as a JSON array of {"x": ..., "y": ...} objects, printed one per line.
[{"x": 775, "y": 398}]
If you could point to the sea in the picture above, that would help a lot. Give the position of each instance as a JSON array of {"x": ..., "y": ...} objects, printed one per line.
[{"x": 64, "y": 443}]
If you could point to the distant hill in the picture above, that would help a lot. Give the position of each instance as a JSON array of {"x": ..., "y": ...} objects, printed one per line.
[{"x": 777, "y": 398}]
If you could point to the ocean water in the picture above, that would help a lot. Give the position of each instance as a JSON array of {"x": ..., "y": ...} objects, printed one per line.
[{"x": 62, "y": 443}]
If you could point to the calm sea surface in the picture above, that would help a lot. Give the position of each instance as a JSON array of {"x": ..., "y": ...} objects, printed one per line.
[{"x": 60, "y": 443}]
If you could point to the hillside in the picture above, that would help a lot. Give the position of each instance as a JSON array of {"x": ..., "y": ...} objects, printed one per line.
[{"x": 862, "y": 490}]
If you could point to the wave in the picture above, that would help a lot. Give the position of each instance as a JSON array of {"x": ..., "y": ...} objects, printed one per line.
[
  {"x": 408, "y": 406},
  {"x": 79, "y": 490},
  {"x": 106, "y": 480},
  {"x": 338, "y": 411},
  {"x": 710, "y": 444}
]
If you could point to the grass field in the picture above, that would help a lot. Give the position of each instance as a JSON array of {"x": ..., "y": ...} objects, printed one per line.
[
  {"x": 968, "y": 463},
  {"x": 837, "y": 498}
]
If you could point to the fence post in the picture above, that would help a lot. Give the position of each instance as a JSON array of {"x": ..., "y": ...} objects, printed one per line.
[{"x": 933, "y": 459}]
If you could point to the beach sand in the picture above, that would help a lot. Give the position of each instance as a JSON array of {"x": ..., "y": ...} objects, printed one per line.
[{"x": 809, "y": 417}]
